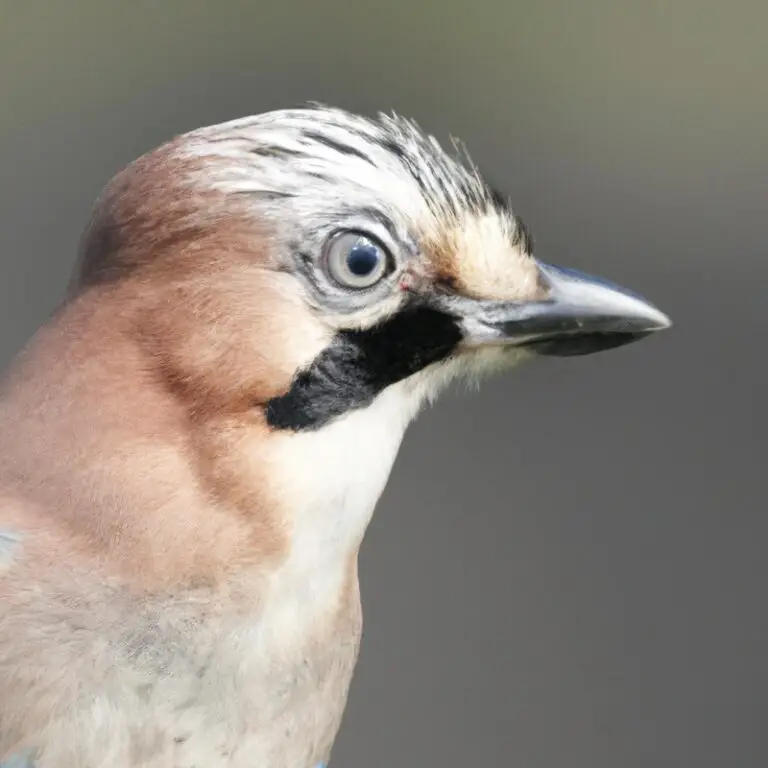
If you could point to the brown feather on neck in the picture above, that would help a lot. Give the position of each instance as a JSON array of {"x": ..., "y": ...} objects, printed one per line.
[{"x": 138, "y": 402}]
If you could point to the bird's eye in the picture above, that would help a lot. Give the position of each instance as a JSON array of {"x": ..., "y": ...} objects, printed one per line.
[{"x": 355, "y": 260}]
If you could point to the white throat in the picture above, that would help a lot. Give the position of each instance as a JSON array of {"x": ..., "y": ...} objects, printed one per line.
[
  {"x": 330, "y": 481},
  {"x": 333, "y": 477}
]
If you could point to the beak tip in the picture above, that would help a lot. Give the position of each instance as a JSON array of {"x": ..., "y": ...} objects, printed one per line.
[{"x": 657, "y": 320}]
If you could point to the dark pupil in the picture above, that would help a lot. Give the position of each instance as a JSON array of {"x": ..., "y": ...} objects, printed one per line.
[{"x": 362, "y": 259}]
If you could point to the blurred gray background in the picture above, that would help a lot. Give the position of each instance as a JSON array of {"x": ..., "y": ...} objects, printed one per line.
[{"x": 566, "y": 569}]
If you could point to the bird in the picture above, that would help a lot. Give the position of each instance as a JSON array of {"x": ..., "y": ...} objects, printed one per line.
[{"x": 193, "y": 444}]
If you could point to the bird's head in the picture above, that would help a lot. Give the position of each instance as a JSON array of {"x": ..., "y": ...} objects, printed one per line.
[
  {"x": 304, "y": 262},
  {"x": 299, "y": 283}
]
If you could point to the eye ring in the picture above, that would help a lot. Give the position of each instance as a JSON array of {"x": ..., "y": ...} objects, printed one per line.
[{"x": 356, "y": 260}]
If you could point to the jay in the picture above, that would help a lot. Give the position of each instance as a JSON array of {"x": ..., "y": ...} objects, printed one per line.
[{"x": 192, "y": 446}]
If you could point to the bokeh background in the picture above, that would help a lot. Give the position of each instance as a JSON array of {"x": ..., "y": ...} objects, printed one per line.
[{"x": 568, "y": 568}]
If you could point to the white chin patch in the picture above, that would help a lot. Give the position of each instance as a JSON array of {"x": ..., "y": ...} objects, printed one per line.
[{"x": 470, "y": 367}]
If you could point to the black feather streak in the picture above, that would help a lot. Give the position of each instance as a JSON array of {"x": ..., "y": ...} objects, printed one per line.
[
  {"x": 344, "y": 149},
  {"x": 359, "y": 365},
  {"x": 523, "y": 236}
]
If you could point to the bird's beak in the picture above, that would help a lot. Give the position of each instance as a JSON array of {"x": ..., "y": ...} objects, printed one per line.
[{"x": 576, "y": 314}]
